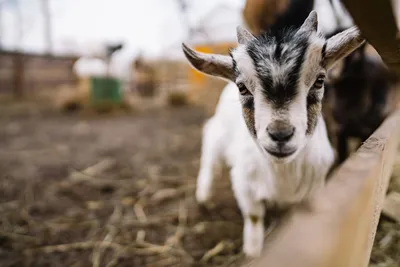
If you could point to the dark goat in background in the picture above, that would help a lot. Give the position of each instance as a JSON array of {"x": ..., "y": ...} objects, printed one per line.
[
  {"x": 294, "y": 15},
  {"x": 361, "y": 93}
]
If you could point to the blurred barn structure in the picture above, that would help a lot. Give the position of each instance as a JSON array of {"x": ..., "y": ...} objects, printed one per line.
[{"x": 23, "y": 74}]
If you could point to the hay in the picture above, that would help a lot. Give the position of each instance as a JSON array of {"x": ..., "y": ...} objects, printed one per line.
[{"x": 104, "y": 202}]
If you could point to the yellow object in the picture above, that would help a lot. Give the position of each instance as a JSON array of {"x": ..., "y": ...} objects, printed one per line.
[{"x": 197, "y": 78}]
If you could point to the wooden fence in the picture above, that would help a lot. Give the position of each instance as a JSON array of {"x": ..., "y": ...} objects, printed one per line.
[{"x": 22, "y": 73}]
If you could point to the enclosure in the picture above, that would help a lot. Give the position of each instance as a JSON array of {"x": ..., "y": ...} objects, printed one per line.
[{"x": 82, "y": 186}]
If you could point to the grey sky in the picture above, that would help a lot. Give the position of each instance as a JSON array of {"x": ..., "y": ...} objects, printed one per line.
[{"x": 148, "y": 25}]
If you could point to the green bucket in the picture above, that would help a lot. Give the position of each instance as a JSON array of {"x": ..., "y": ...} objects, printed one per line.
[{"x": 105, "y": 90}]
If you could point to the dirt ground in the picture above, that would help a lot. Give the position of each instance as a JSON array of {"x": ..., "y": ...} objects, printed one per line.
[{"x": 134, "y": 208}]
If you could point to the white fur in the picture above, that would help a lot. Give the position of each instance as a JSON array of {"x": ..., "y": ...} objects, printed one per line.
[
  {"x": 244, "y": 62},
  {"x": 255, "y": 177}
]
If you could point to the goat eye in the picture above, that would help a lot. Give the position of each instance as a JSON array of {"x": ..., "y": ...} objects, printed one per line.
[
  {"x": 243, "y": 89},
  {"x": 319, "y": 82}
]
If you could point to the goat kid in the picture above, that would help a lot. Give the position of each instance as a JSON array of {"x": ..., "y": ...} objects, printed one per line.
[{"x": 268, "y": 125}]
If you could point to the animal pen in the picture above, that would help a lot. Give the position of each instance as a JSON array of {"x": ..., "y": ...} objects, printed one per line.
[{"x": 77, "y": 191}]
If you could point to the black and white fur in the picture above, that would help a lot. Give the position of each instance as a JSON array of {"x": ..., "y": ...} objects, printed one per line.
[{"x": 268, "y": 125}]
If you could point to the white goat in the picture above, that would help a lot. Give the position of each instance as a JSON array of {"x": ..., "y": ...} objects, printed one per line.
[{"x": 268, "y": 125}]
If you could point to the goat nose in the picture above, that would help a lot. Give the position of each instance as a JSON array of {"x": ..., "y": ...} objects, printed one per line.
[{"x": 280, "y": 131}]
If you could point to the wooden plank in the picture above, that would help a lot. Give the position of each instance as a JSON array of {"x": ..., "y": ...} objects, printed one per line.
[{"x": 337, "y": 228}]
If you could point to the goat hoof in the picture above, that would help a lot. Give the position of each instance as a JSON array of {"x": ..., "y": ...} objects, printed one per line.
[
  {"x": 252, "y": 252},
  {"x": 202, "y": 197}
]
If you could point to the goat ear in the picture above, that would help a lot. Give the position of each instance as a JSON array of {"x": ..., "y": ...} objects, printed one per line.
[
  {"x": 211, "y": 64},
  {"x": 341, "y": 45},
  {"x": 311, "y": 23},
  {"x": 243, "y": 35}
]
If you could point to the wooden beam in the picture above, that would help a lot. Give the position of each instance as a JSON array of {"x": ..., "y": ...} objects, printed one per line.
[
  {"x": 337, "y": 228},
  {"x": 19, "y": 76},
  {"x": 376, "y": 20}
]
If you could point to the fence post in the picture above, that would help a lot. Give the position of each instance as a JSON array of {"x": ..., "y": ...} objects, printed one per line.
[{"x": 18, "y": 75}]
